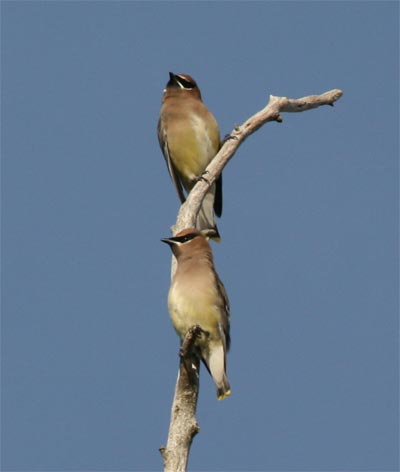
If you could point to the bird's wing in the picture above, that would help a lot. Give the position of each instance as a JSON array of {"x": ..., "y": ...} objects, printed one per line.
[
  {"x": 162, "y": 139},
  {"x": 225, "y": 312}
]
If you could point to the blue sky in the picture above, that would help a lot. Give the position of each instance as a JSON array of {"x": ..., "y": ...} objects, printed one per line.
[{"x": 309, "y": 251}]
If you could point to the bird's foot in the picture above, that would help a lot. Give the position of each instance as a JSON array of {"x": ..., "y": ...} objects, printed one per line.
[
  {"x": 228, "y": 137},
  {"x": 203, "y": 177}
]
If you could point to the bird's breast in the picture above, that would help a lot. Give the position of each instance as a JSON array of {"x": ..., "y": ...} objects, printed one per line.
[
  {"x": 191, "y": 305},
  {"x": 193, "y": 141}
]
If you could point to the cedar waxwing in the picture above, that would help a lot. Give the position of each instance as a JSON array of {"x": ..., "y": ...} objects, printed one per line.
[
  {"x": 198, "y": 297},
  {"x": 189, "y": 138}
]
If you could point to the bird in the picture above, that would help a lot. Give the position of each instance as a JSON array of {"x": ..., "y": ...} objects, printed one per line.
[
  {"x": 197, "y": 297},
  {"x": 189, "y": 138}
]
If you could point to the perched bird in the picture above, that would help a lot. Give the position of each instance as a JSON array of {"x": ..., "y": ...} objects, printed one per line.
[
  {"x": 198, "y": 297},
  {"x": 189, "y": 139}
]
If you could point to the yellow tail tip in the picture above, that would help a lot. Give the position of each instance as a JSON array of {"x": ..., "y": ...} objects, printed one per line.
[
  {"x": 224, "y": 395},
  {"x": 211, "y": 233}
]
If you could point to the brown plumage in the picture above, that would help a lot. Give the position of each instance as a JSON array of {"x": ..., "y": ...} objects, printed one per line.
[
  {"x": 198, "y": 297},
  {"x": 189, "y": 139}
]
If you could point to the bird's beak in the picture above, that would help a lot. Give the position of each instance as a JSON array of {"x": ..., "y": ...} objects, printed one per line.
[{"x": 169, "y": 241}]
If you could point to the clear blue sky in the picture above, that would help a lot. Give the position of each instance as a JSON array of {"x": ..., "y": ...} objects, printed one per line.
[{"x": 309, "y": 254}]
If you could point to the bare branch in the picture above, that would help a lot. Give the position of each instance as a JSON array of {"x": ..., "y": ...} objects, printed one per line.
[
  {"x": 183, "y": 425},
  {"x": 277, "y": 105}
]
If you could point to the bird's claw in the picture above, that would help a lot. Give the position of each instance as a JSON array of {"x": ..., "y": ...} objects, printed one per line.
[
  {"x": 228, "y": 137},
  {"x": 203, "y": 177}
]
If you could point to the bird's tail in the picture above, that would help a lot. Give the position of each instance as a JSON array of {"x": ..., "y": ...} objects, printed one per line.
[
  {"x": 205, "y": 218},
  {"x": 224, "y": 390},
  {"x": 216, "y": 365}
]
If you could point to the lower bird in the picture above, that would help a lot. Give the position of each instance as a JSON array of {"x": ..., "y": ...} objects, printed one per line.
[
  {"x": 198, "y": 297},
  {"x": 189, "y": 138}
]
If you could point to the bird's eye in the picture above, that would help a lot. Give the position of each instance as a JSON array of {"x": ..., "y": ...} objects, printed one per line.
[
  {"x": 187, "y": 237},
  {"x": 186, "y": 83}
]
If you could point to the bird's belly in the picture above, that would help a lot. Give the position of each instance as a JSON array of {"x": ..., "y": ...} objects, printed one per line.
[
  {"x": 188, "y": 311},
  {"x": 192, "y": 150}
]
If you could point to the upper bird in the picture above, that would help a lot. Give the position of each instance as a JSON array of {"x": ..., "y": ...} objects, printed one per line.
[
  {"x": 198, "y": 297},
  {"x": 189, "y": 138}
]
